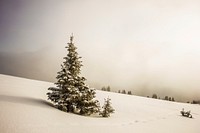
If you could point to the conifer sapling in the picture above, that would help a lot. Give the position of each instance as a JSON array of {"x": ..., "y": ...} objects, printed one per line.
[{"x": 107, "y": 108}]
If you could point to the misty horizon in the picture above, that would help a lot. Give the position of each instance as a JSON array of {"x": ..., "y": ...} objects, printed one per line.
[{"x": 146, "y": 47}]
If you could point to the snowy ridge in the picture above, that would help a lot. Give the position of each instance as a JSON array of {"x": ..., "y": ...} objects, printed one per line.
[{"x": 24, "y": 109}]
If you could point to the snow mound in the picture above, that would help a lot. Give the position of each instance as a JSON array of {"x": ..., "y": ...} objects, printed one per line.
[{"x": 25, "y": 109}]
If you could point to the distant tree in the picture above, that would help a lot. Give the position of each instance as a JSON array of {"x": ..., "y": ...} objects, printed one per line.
[
  {"x": 72, "y": 94},
  {"x": 119, "y": 91},
  {"x": 123, "y": 92},
  {"x": 129, "y": 93},
  {"x": 173, "y": 99},
  {"x": 154, "y": 96},
  {"x": 166, "y": 98},
  {"x": 170, "y": 99},
  {"x": 196, "y": 102},
  {"x": 107, "y": 108},
  {"x": 108, "y": 88},
  {"x": 103, "y": 88}
]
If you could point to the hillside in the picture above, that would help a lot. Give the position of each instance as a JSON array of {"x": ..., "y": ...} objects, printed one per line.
[{"x": 24, "y": 109}]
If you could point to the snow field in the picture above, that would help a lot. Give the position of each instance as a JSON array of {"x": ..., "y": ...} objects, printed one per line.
[{"x": 24, "y": 108}]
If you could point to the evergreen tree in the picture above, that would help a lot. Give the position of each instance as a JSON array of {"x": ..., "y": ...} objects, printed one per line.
[
  {"x": 123, "y": 91},
  {"x": 129, "y": 93},
  {"x": 103, "y": 88},
  {"x": 170, "y": 99},
  {"x": 166, "y": 98},
  {"x": 154, "y": 96},
  {"x": 86, "y": 103},
  {"x": 108, "y": 88},
  {"x": 173, "y": 99},
  {"x": 107, "y": 108},
  {"x": 72, "y": 94}
]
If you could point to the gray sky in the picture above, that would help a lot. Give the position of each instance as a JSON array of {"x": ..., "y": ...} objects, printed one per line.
[{"x": 139, "y": 45}]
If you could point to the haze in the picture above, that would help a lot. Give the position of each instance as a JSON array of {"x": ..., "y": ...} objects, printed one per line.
[{"x": 144, "y": 46}]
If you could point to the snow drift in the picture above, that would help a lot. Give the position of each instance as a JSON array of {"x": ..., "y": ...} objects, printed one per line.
[{"x": 24, "y": 109}]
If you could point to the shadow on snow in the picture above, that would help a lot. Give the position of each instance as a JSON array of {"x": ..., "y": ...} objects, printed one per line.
[{"x": 26, "y": 100}]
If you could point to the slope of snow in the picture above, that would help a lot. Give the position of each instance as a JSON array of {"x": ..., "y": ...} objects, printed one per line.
[{"x": 24, "y": 109}]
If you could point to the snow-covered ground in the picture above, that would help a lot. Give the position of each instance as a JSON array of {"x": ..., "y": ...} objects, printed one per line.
[{"x": 24, "y": 109}]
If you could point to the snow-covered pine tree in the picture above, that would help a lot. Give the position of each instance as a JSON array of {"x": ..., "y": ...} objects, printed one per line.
[
  {"x": 107, "y": 108},
  {"x": 72, "y": 94},
  {"x": 86, "y": 104}
]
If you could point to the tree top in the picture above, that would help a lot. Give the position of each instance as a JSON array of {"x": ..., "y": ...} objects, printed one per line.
[{"x": 71, "y": 38}]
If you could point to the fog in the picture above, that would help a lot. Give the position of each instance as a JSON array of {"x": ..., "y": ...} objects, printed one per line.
[{"x": 146, "y": 47}]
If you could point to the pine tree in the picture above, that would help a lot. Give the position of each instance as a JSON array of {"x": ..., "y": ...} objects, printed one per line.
[
  {"x": 103, "y": 88},
  {"x": 129, "y": 93},
  {"x": 123, "y": 91},
  {"x": 154, "y": 96},
  {"x": 107, "y": 108},
  {"x": 166, "y": 98},
  {"x": 72, "y": 94},
  {"x": 173, "y": 99},
  {"x": 170, "y": 99},
  {"x": 108, "y": 88}
]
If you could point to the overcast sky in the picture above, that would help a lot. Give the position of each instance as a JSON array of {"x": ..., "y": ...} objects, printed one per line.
[{"x": 139, "y": 45}]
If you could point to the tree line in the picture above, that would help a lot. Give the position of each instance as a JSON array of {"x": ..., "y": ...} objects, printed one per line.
[{"x": 167, "y": 98}]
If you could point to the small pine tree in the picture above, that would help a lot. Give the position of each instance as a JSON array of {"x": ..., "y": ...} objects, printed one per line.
[
  {"x": 123, "y": 91},
  {"x": 103, "y": 88},
  {"x": 107, "y": 108},
  {"x": 170, "y": 99},
  {"x": 154, "y": 96},
  {"x": 173, "y": 99},
  {"x": 72, "y": 94},
  {"x": 166, "y": 98},
  {"x": 108, "y": 88},
  {"x": 129, "y": 93}
]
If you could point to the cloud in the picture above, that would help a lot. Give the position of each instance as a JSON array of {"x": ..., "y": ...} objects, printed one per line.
[{"x": 145, "y": 46}]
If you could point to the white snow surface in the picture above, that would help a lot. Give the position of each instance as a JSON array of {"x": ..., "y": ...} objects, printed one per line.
[{"x": 24, "y": 108}]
